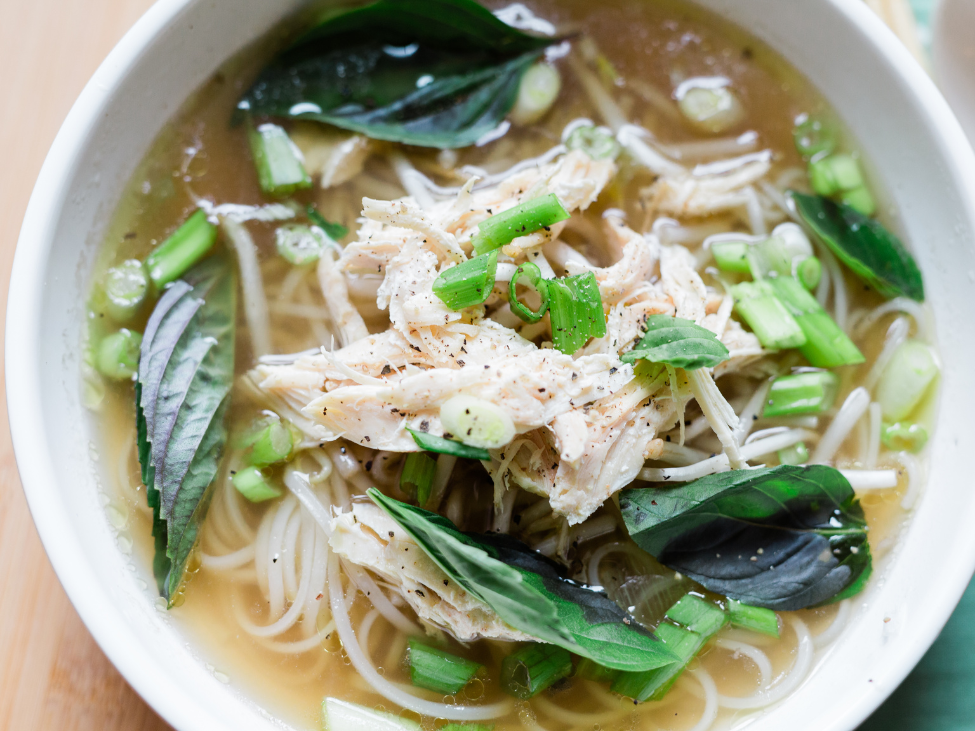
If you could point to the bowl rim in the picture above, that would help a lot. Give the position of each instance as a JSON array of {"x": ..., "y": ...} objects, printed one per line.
[{"x": 21, "y": 347}]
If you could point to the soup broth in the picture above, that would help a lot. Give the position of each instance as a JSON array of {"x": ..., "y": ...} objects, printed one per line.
[{"x": 260, "y": 565}]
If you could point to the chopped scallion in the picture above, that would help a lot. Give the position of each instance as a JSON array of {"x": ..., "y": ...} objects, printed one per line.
[
  {"x": 576, "y": 310},
  {"x": 533, "y": 668},
  {"x": 280, "y": 170},
  {"x": 537, "y": 92},
  {"x": 591, "y": 670},
  {"x": 253, "y": 485},
  {"x": 118, "y": 354},
  {"x": 809, "y": 272},
  {"x": 697, "y": 615},
  {"x": 477, "y": 422},
  {"x": 437, "y": 670},
  {"x": 417, "y": 476},
  {"x": 440, "y": 445},
  {"x": 597, "y": 142},
  {"x": 710, "y": 108},
  {"x": 177, "y": 254},
  {"x": 300, "y": 244},
  {"x": 768, "y": 318},
  {"x": 654, "y": 684},
  {"x": 812, "y": 392},
  {"x": 835, "y": 174},
  {"x": 533, "y": 274},
  {"x": 757, "y": 619},
  {"x": 814, "y": 138},
  {"x": 272, "y": 444},
  {"x": 904, "y": 437},
  {"x": 334, "y": 231},
  {"x": 467, "y": 284},
  {"x": 521, "y": 220},
  {"x": 126, "y": 286},
  {"x": 905, "y": 380},
  {"x": 795, "y": 455},
  {"x": 826, "y": 346},
  {"x": 861, "y": 200},
  {"x": 768, "y": 258},
  {"x": 731, "y": 256}
]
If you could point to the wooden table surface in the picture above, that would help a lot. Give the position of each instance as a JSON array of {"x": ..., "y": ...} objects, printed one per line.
[{"x": 52, "y": 674}]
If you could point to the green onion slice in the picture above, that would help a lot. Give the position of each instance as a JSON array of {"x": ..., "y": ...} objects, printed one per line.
[
  {"x": 904, "y": 437},
  {"x": 797, "y": 454},
  {"x": 812, "y": 392},
  {"x": 177, "y": 254},
  {"x": 333, "y": 230},
  {"x": 417, "y": 476},
  {"x": 533, "y": 668},
  {"x": 467, "y": 284},
  {"x": 521, "y": 220},
  {"x": 253, "y": 485},
  {"x": 534, "y": 276},
  {"x": 698, "y": 615},
  {"x": 439, "y": 671},
  {"x": 439, "y": 445},
  {"x": 757, "y": 619},
  {"x": 814, "y": 138},
  {"x": 576, "y": 310}
]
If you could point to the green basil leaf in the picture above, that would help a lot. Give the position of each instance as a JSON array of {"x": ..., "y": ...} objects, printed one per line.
[
  {"x": 871, "y": 252},
  {"x": 784, "y": 538},
  {"x": 436, "y": 73},
  {"x": 679, "y": 343},
  {"x": 528, "y": 593},
  {"x": 185, "y": 374},
  {"x": 442, "y": 445}
]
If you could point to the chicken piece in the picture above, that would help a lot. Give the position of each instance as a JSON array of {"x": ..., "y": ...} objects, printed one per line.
[
  {"x": 640, "y": 256},
  {"x": 532, "y": 388},
  {"x": 405, "y": 214},
  {"x": 332, "y": 155},
  {"x": 368, "y": 537},
  {"x": 346, "y": 318},
  {"x": 682, "y": 283},
  {"x": 709, "y": 189}
]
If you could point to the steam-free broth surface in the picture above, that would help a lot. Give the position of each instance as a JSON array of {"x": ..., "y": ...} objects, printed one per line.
[{"x": 222, "y": 608}]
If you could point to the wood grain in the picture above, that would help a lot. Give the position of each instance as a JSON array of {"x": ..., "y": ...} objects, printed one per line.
[{"x": 52, "y": 674}]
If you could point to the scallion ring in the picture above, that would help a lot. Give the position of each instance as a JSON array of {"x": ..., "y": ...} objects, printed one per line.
[{"x": 534, "y": 275}]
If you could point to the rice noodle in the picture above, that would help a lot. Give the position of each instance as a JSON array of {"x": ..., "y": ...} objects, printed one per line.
[
  {"x": 710, "y": 711},
  {"x": 758, "y": 657},
  {"x": 720, "y": 415},
  {"x": 853, "y": 409},
  {"x": 840, "y": 298},
  {"x": 575, "y": 719},
  {"x": 680, "y": 456},
  {"x": 633, "y": 139},
  {"x": 835, "y": 628},
  {"x": 412, "y": 180},
  {"x": 593, "y": 528},
  {"x": 390, "y": 691},
  {"x": 800, "y": 668},
  {"x": 600, "y": 98},
  {"x": 710, "y": 149},
  {"x": 300, "y": 488},
  {"x": 502, "y": 518},
  {"x": 441, "y": 477},
  {"x": 913, "y": 469},
  {"x": 229, "y": 561},
  {"x": 864, "y": 480},
  {"x": 756, "y": 218},
  {"x": 915, "y": 310},
  {"x": 896, "y": 335},
  {"x": 753, "y": 409},
  {"x": 720, "y": 463},
  {"x": 363, "y": 581},
  {"x": 275, "y": 546},
  {"x": 255, "y": 303}
]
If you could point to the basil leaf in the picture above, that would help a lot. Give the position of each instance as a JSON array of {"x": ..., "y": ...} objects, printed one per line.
[
  {"x": 784, "y": 538},
  {"x": 871, "y": 252},
  {"x": 680, "y": 343},
  {"x": 442, "y": 445},
  {"x": 527, "y": 592},
  {"x": 185, "y": 374},
  {"x": 436, "y": 73}
]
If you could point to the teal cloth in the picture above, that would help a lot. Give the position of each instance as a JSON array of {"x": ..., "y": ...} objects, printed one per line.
[{"x": 939, "y": 695}]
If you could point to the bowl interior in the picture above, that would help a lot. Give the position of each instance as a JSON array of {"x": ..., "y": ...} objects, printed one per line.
[{"x": 903, "y": 126}]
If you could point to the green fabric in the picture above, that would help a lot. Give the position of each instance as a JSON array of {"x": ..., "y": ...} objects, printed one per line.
[{"x": 938, "y": 695}]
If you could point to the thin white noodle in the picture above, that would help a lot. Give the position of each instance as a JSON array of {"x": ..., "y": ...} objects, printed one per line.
[
  {"x": 275, "y": 546},
  {"x": 286, "y": 358},
  {"x": 593, "y": 528},
  {"x": 502, "y": 518},
  {"x": 756, "y": 218},
  {"x": 313, "y": 603},
  {"x": 411, "y": 179},
  {"x": 753, "y": 409},
  {"x": 297, "y": 482},
  {"x": 561, "y": 254},
  {"x": 441, "y": 476},
  {"x": 260, "y": 551},
  {"x": 835, "y": 628},
  {"x": 674, "y": 454},
  {"x": 600, "y": 98},
  {"x": 575, "y": 719},
  {"x": 865, "y": 480},
  {"x": 290, "y": 283},
  {"x": 840, "y": 298},
  {"x": 299, "y": 646},
  {"x": 853, "y": 409},
  {"x": 898, "y": 304},
  {"x": 631, "y": 137},
  {"x": 896, "y": 335},
  {"x": 873, "y": 444},
  {"x": 710, "y": 711},
  {"x": 721, "y": 416},
  {"x": 229, "y": 561},
  {"x": 758, "y": 657},
  {"x": 289, "y": 554},
  {"x": 913, "y": 469},
  {"x": 800, "y": 668},
  {"x": 717, "y": 148},
  {"x": 363, "y": 581},
  {"x": 719, "y": 463},
  {"x": 388, "y": 690},
  {"x": 255, "y": 303}
]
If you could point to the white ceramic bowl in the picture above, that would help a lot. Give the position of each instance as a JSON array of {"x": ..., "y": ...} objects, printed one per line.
[{"x": 904, "y": 127}]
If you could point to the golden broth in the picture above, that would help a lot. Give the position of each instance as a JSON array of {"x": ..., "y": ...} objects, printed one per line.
[{"x": 653, "y": 46}]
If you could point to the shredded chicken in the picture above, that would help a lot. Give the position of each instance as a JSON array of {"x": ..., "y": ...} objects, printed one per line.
[
  {"x": 331, "y": 155},
  {"x": 368, "y": 537}
]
